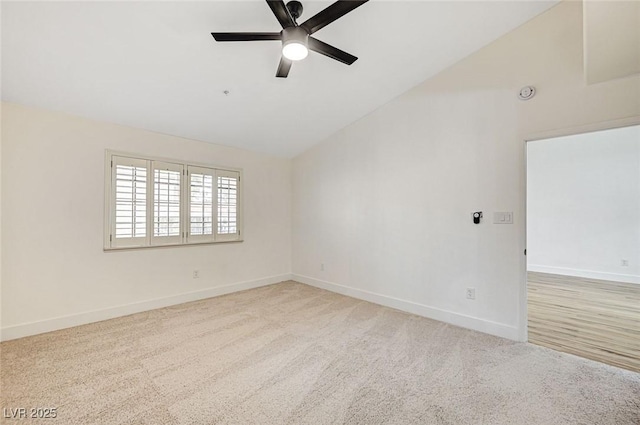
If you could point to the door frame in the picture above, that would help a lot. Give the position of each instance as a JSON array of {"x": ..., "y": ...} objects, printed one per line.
[{"x": 551, "y": 134}]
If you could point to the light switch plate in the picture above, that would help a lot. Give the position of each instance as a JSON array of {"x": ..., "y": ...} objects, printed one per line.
[{"x": 503, "y": 217}]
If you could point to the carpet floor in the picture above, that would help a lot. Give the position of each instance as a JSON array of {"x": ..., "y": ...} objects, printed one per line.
[{"x": 293, "y": 354}]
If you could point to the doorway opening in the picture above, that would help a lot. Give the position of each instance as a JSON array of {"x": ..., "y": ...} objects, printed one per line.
[{"x": 583, "y": 245}]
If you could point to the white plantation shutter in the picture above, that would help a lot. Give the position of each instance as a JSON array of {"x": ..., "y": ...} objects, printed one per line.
[
  {"x": 129, "y": 187},
  {"x": 167, "y": 199},
  {"x": 227, "y": 205},
  {"x": 201, "y": 203},
  {"x": 151, "y": 202}
]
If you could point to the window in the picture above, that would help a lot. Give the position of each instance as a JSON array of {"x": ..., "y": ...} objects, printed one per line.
[
  {"x": 153, "y": 202},
  {"x": 213, "y": 204}
]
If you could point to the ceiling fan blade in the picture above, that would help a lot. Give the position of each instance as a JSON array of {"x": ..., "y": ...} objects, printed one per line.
[
  {"x": 283, "y": 67},
  {"x": 282, "y": 13},
  {"x": 330, "y": 51},
  {"x": 245, "y": 36},
  {"x": 330, "y": 14}
]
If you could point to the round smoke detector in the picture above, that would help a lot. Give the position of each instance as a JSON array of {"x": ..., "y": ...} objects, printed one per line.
[{"x": 526, "y": 93}]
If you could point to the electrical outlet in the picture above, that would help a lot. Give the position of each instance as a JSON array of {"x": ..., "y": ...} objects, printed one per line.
[
  {"x": 322, "y": 267},
  {"x": 471, "y": 293},
  {"x": 196, "y": 274},
  {"x": 624, "y": 263}
]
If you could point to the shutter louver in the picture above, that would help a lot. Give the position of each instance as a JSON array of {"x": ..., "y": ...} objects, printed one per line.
[
  {"x": 201, "y": 204},
  {"x": 227, "y": 205},
  {"x": 131, "y": 202},
  {"x": 129, "y": 197},
  {"x": 166, "y": 203},
  {"x": 227, "y": 202}
]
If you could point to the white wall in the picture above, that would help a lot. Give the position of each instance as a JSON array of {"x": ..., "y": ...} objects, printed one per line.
[
  {"x": 583, "y": 205},
  {"x": 612, "y": 39},
  {"x": 55, "y": 272},
  {"x": 1, "y": 201},
  {"x": 385, "y": 203}
]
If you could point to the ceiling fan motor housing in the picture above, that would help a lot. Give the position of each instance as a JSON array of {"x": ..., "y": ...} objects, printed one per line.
[
  {"x": 294, "y": 35},
  {"x": 295, "y": 9}
]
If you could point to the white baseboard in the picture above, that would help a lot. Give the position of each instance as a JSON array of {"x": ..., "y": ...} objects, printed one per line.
[
  {"x": 469, "y": 322},
  {"x": 589, "y": 274},
  {"x": 57, "y": 323}
]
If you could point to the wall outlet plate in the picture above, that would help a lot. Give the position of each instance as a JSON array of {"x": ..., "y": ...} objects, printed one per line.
[{"x": 471, "y": 293}]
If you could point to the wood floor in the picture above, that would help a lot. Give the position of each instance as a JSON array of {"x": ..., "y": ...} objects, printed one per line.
[{"x": 596, "y": 319}]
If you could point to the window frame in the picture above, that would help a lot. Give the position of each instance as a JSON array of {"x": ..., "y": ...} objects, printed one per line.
[{"x": 113, "y": 158}]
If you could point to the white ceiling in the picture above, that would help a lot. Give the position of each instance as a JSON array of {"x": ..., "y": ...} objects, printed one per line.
[{"x": 154, "y": 65}]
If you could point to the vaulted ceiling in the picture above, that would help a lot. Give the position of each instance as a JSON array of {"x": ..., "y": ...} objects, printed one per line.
[{"x": 154, "y": 65}]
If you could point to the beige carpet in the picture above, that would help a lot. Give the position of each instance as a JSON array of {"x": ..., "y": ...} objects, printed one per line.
[{"x": 292, "y": 354}]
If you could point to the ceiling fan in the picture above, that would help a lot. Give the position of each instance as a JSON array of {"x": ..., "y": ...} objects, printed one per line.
[{"x": 296, "y": 38}]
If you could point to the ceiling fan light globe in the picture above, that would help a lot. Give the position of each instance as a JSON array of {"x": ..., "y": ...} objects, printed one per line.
[{"x": 295, "y": 51}]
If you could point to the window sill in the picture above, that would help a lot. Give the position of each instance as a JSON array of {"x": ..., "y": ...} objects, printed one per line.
[{"x": 174, "y": 245}]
